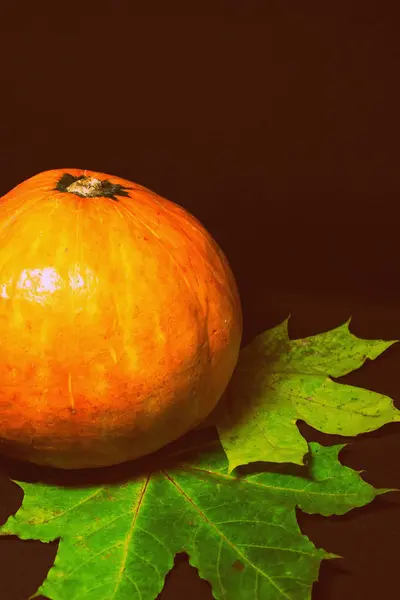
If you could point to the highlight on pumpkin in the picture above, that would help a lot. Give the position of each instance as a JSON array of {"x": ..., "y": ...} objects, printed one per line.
[{"x": 34, "y": 284}]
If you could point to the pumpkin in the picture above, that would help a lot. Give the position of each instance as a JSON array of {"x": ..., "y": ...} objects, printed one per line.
[{"x": 120, "y": 320}]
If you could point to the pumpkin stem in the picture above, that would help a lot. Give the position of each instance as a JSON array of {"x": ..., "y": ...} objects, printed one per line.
[{"x": 90, "y": 187}]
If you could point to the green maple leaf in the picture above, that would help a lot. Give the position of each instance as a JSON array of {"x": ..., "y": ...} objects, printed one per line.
[
  {"x": 118, "y": 541},
  {"x": 278, "y": 381}
]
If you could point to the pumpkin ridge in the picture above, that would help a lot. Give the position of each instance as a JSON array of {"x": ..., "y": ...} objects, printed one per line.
[
  {"x": 23, "y": 211},
  {"x": 170, "y": 254},
  {"x": 171, "y": 215}
]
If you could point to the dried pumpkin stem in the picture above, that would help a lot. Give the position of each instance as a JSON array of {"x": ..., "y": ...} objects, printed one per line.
[{"x": 88, "y": 187}]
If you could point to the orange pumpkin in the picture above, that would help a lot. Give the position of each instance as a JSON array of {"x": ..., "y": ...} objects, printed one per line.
[{"x": 120, "y": 320}]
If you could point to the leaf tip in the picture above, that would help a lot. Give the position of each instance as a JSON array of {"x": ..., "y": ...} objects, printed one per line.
[
  {"x": 390, "y": 343},
  {"x": 285, "y": 322},
  {"x": 332, "y": 556},
  {"x": 381, "y": 491}
]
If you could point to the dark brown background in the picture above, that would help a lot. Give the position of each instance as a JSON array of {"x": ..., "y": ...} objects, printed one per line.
[{"x": 278, "y": 127}]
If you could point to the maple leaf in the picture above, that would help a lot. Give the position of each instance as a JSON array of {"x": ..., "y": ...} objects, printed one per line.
[
  {"x": 118, "y": 541},
  {"x": 278, "y": 381}
]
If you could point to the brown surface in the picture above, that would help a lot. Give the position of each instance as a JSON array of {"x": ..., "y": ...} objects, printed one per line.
[{"x": 280, "y": 133}]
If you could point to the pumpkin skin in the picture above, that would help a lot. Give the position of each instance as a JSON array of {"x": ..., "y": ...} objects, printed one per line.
[{"x": 120, "y": 320}]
